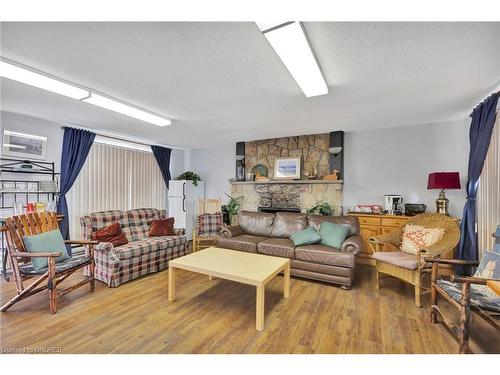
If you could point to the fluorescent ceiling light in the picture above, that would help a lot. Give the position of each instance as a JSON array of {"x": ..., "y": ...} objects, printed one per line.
[
  {"x": 122, "y": 143},
  {"x": 43, "y": 82},
  {"x": 290, "y": 43},
  {"x": 125, "y": 109},
  {"x": 29, "y": 77}
]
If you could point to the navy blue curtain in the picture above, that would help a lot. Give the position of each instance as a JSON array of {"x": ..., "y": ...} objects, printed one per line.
[
  {"x": 76, "y": 147},
  {"x": 162, "y": 156},
  {"x": 483, "y": 120}
]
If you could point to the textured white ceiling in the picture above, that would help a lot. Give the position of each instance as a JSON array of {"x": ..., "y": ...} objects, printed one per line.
[{"x": 222, "y": 82}]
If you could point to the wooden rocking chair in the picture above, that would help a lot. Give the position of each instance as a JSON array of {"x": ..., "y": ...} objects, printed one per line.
[
  {"x": 208, "y": 224},
  {"x": 467, "y": 296},
  {"x": 20, "y": 259}
]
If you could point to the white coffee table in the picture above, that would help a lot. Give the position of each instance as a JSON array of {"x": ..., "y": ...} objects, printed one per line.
[{"x": 246, "y": 268}]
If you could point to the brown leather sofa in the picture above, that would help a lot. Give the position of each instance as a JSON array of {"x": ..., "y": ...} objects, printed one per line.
[{"x": 269, "y": 233}]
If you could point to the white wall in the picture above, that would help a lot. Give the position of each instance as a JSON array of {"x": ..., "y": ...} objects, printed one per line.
[
  {"x": 54, "y": 134},
  {"x": 36, "y": 126},
  {"x": 377, "y": 162},
  {"x": 215, "y": 166},
  {"x": 398, "y": 161}
]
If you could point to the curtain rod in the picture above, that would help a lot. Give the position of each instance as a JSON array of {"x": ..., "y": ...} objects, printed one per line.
[{"x": 121, "y": 138}]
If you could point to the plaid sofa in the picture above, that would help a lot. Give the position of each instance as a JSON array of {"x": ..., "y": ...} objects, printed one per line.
[{"x": 142, "y": 255}]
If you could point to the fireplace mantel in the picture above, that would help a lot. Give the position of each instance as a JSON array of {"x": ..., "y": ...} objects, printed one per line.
[
  {"x": 297, "y": 194},
  {"x": 286, "y": 182}
]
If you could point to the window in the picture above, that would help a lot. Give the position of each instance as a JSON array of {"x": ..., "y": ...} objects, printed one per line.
[
  {"x": 488, "y": 207},
  {"x": 115, "y": 178}
]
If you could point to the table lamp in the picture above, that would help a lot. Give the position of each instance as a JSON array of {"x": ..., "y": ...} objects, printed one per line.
[{"x": 443, "y": 180}]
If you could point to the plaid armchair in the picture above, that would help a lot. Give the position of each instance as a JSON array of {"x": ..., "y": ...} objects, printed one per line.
[{"x": 208, "y": 223}]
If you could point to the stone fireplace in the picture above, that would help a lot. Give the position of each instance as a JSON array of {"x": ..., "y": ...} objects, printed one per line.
[{"x": 292, "y": 195}]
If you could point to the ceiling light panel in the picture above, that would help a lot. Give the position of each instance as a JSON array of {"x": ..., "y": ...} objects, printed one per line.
[
  {"x": 43, "y": 82},
  {"x": 291, "y": 45},
  {"x": 127, "y": 110}
]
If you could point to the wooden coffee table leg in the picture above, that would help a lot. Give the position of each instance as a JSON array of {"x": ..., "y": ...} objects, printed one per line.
[
  {"x": 286, "y": 281},
  {"x": 259, "y": 316},
  {"x": 171, "y": 283}
]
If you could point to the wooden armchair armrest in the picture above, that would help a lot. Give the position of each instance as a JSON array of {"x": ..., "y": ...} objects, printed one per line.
[
  {"x": 446, "y": 244},
  {"x": 468, "y": 279},
  {"x": 36, "y": 255},
  {"x": 459, "y": 262},
  {"x": 81, "y": 242}
]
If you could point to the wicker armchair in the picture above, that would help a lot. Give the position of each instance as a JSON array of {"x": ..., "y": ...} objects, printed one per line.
[{"x": 408, "y": 267}]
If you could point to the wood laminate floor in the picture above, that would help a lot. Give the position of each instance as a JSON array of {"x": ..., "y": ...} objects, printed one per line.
[{"x": 218, "y": 316}]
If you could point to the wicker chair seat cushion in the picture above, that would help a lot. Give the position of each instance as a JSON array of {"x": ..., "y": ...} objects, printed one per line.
[
  {"x": 74, "y": 262},
  {"x": 397, "y": 258},
  {"x": 454, "y": 290},
  {"x": 136, "y": 249}
]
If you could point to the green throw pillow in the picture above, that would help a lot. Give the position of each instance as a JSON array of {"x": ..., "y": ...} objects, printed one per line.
[
  {"x": 48, "y": 242},
  {"x": 333, "y": 234},
  {"x": 307, "y": 236}
]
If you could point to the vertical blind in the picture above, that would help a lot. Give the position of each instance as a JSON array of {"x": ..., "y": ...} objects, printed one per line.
[
  {"x": 115, "y": 178},
  {"x": 489, "y": 193}
]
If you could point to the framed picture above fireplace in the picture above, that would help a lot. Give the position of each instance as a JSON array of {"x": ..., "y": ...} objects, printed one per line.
[{"x": 287, "y": 168}]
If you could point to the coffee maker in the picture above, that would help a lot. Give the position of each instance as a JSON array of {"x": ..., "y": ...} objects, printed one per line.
[{"x": 393, "y": 204}]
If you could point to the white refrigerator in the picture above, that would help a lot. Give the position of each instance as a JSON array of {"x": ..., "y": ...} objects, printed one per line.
[{"x": 182, "y": 202}]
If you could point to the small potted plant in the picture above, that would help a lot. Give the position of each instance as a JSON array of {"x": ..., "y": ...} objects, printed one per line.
[
  {"x": 190, "y": 176},
  {"x": 233, "y": 207},
  {"x": 323, "y": 208}
]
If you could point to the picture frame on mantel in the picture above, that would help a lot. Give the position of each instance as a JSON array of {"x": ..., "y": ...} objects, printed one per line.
[
  {"x": 24, "y": 146},
  {"x": 287, "y": 168}
]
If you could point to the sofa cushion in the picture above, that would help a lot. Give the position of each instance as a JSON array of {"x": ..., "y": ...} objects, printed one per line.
[
  {"x": 112, "y": 233},
  {"x": 397, "y": 258},
  {"x": 333, "y": 235},
  {"x": 136, "y": 249},
  {"x": 256, "y": 223},
  {"x": 287, "y": 223},
  {"x": 147, "y": 215},
  {"x": 99, "y": 220},
  {"x": 278, "y": 247},
  {"x": 162, "y": 227},
  {"x": 349, "y": 221},
  {"x": 307, "y": 236},
  {"x": 244, "y": 242},
  {"x": 324, "y": 255}
]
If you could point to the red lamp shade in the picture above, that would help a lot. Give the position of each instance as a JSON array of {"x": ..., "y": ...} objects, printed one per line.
[{"x": 444, "y": 180}]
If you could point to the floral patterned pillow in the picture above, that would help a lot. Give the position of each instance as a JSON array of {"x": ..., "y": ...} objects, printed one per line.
[{"x": 417, "y": 237}]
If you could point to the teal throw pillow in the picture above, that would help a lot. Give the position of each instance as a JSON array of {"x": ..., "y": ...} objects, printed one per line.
[
  {"x": 48, "y": 242},
  {"x": 307, "y": 236},
  {"x": 333, "y": 234}
]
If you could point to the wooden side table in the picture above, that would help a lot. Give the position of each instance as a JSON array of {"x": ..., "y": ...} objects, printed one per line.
[{"x": 494, "y": 286}]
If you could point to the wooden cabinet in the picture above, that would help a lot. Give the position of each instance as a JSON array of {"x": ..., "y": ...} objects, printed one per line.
[{"x": 373, "y": 225}]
